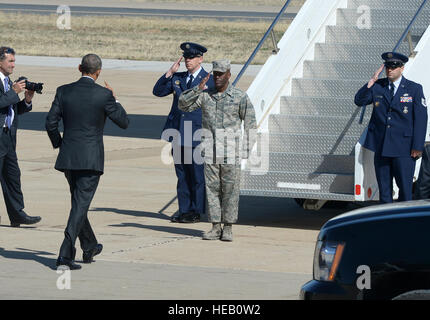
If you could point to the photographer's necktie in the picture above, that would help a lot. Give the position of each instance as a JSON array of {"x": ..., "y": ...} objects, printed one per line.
[
  {"x": 190, "y": 82},
  {"x": 9, "y": 116}
]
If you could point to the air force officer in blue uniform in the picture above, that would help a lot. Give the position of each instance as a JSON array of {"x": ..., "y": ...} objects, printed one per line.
[
  {"x": 191, "y": 183},
  {"x": 397, "y": 128}
]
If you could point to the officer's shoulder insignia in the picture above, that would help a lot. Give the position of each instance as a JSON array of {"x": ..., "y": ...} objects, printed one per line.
[{"x": 423, "y": 101}]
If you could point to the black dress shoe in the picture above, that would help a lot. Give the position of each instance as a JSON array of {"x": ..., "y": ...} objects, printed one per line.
[
  {"x": 25, "y": 220},
  {"x": 176, "y": 217},
  {"x": 61, "y": 261},
  {"x": 88, "y": 255},
  {"x": 189, "y": 217}
]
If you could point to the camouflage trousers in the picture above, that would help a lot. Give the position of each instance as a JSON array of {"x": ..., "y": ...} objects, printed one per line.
[{"x": 222, "y": 192}]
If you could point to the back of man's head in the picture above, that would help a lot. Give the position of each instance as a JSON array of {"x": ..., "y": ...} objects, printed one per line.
[{"x": 91, "y": 63}]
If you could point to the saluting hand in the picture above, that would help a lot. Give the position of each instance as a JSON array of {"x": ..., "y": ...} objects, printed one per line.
[
  {"x": 110, "y": 88},
  {"x": 202, "y": 84},
  {"x": 174, "y": 68},
  {"x": 375, "y": 77},
  {"x": 416, "y": 154}
]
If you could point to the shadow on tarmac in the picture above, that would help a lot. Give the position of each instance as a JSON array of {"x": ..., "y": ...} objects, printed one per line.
[
  {"x": 141, "y": 126},
  {"x": 133, "y": 213},
  {"x": 174, "y": 230},
  {"x": 253, "y": 211},
  {"x": 28, "y": 254}
]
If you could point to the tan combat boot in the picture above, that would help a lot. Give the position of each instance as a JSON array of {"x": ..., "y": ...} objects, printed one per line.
[
  {"x": 214, "y": 233},
  {"x": 227, "y": 232}
]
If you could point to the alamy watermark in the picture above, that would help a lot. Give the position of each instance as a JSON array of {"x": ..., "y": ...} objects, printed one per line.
[
  {"x": 64, "y": 21},
  {"x": 364, "y": 280},
  {"x": 364, "y": 21},
  {"x": 64, "y": 281}
]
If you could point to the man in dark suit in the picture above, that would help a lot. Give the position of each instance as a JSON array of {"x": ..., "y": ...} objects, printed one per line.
[
  {"x": 10, "y": 108},
  {"x": 83, "y": 106},
  {"x": 180, "y": 128},
  {"x": 397, "y": 128}
]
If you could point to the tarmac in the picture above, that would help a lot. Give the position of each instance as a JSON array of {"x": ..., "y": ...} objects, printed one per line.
[
  {"x": 170, "y": 5},
  {"x": 145, "y": 256}
]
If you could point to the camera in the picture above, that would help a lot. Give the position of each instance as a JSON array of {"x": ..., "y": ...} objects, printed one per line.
[{"x": 32, "y": 86}]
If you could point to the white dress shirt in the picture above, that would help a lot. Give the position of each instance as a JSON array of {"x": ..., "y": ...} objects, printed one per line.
[
  {"x": 195, "y": 74},
  {"x": 396, "y": 84}
]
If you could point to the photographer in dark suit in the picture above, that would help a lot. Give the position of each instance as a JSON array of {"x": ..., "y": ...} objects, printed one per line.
[
  {"x": 10, "y": 107},
  {"x": 83, "y": 106}
]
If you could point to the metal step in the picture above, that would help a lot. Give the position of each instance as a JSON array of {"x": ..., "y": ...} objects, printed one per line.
[
  {"x": 299, "y": 182},
  {"x": 316, "y": 163},
  {"x": 335, "y": 70},
  {"x": 381, "y": 4},
  {"x": 297, "y": 195},
  {"x": 316, "y": 143},
  {"x": 353, "y": 53},
  {"x": 317, "y": 106},
  {"x": 388, "y": 16},
  {"x": 326, "y": 88},
  {"x": 317, "y": 124},
  {"x": 378, "y": 36}
]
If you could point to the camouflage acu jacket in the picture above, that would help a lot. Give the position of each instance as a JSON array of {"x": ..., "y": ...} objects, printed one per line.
[{"x": 222, "y": 116}]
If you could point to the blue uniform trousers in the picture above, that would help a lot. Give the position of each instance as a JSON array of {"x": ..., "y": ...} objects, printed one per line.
[
  {"x": 402, "y": 169},
  {"x": 191, "y": 182}
]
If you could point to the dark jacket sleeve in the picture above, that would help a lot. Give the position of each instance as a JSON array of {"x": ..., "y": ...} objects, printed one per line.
[
  {"x": 364, "y": 96},
  {"x": 8, "y": 98},
  {"x": 54, "y": 116},
  {"x": 420, "y": 120},
  {"x": 22, "y": 107},
  {"x": 163, "y": 87},
  {"x": 422, "y": 187},
  {"x": 116, "y": 113}
]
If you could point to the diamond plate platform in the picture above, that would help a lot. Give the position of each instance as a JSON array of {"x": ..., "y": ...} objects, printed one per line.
[
  {"x": 318, "y": 106},
  {"x": 313, "y": 143}
]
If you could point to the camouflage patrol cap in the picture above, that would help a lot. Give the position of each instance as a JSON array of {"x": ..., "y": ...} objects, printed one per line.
[{"x": 222, "y": 65}]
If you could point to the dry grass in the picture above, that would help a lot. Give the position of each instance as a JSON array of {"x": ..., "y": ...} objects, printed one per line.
[{"x": 134, "y": 38}]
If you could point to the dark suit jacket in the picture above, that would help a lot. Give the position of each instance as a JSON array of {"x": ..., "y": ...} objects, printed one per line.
[
  {"x": 83, "y": 106},
  {"x": 397, "y": 126},
  {"x": 176, "y": 84},
  {"x": 19, "y": 107}
]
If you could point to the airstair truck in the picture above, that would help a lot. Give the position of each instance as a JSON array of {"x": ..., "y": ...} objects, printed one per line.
[{"x": 310, "y": 131}]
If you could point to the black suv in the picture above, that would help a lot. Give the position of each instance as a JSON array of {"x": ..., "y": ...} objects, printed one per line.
[{"x": 378, "y": 252}]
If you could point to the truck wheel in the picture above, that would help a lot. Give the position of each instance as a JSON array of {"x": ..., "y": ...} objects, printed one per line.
[{"x": 414, "y": 295}]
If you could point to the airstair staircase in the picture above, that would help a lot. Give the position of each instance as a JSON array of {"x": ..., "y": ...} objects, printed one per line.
[{"x": 314, "y": 126}]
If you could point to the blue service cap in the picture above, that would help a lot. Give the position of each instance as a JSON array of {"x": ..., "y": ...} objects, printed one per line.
[
  {"x": 192, "y": 50},
  {"x": 394, "y": 58}
]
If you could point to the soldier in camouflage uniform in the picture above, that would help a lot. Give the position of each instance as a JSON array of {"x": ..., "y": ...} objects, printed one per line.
[{"x": 223, "y": 111}]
